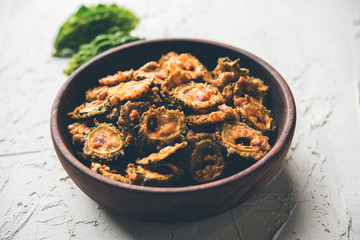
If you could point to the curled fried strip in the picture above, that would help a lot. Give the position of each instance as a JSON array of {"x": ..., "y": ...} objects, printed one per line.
[
  {"x": 251, "y": 86},
  {"x": 150, "y": 70},
  {"x": 96, "y": 93},
  {"x": 94, "y": 108},
  {"x": 161, "y": 174},
  {"x": 225, "y": 113},
  {"x": 117, "y": 78},
  {"x": 105, "y": 170},
  {"x": 207, "y": 162},
  {"x": 161, "y": 155},
  {"x": 77, "y": 130},
  {"x": 256, "y": 114}
]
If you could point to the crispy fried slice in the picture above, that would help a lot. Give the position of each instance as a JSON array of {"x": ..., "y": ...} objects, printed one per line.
[
  {"x": 241, "y": 139},
  {"x": 228, "y": 93},
  {"x": 103, "y": 143},
  {"x": 223, "y": 79},
  {"x": 227, "y": 71},
  {"x": 161, "y": 174},
  {"x": 104, "y": 170},
  {"x": 206, "y": 162},
  {"x": 199, "y": 97},
  {"x": 161, "y": 155},
  {"x": 117, "y": 78},
  {"x": 225, "y": 113},
  {"x": 161, "y": 126},
  {"x": 251, "y": 86},
  {"x": 90, "y": 109},
  {"x": 77, "y": 131},
  {"x": 165, "y": 58},
  {"x": 130, "y": 114},
  {"x": 150, "y": 70},
  {"x": 176, "y": 77},
  {"x": 94, "y": 93},
  {"x": 256, "y": 114},
  {"x": 130, "y": 90},
  {"x": 225, "y": 64},
  {"x": 191, "y": 66}
]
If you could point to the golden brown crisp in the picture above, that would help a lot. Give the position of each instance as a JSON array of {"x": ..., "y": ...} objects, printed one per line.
[
  {"x": 90, "y": 109},
  {"x": 105, "y": 170},
  {"x": 161, "y": 155},
  {"x": 77, "y": 130},
  {"x": 243, "y": 140},
  {"x": 104, "y": 143},
  {"x": 199, "y": 97},
  {"x": 251, "y": 86},
  {"x": 94, "y": 93},
  {"x": 161, "y": 126},
  {"x": 207, "y": 162},
  {"x": 255, "y": 114},
  {"x": 225, "y": 113},
  {"x": 161, "y": 174},
  {"x": 130, "y": 90},
  {"x": 117, "y": 78}
]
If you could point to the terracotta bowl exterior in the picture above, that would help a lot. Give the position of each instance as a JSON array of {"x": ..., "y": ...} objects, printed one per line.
[{"x": 168, "y": 204}]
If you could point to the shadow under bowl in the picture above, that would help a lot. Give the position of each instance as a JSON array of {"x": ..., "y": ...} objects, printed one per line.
[{"x": 171, "y": 204}]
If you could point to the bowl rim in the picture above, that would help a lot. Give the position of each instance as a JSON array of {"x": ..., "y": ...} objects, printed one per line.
[{"x": 285, "y": 135}]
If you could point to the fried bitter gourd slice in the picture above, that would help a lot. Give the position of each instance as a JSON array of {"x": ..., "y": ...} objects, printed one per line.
[
  {"x": 117, "y": 78},
  {"x": 255, "y": 114},
  {"x": 161, "y": 127},
  {"x": 103, "y": 143},
  {"x": 206, "y": 162},
  {"x": 131, "y": 176},
  {"x": 227, "y": 71},
  {"x": 191, "y": 66},
  {"x": 130, "y": 114},
  {"x": 251, "y": 86},
  {"x": 77, "y": 131},
  {"x": 99, "y": 93},
  {"x": 199, "y": 97},
  {"x": 130, "y": 90},
  {"x": 225, "y": 113},
  {"x": 161, "y": 155},
  {"x": 161, "y": 174},
  {"x": 243, "y": 140},
  {"x": 150, "y": 70},
  {"x": 90, "y": 109}
]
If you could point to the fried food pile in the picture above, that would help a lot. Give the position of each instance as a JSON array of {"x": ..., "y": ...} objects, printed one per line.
[{"x": 172, "y": 122}]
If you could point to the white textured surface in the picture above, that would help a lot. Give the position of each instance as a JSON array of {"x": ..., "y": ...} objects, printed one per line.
[{"x": 315, "y": 45}]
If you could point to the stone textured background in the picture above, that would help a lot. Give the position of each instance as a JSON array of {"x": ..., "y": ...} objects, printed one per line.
[{"x": 315, "y": 45}]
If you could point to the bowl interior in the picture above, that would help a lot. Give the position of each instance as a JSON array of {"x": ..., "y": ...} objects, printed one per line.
[{"x": 136, "y": 54}]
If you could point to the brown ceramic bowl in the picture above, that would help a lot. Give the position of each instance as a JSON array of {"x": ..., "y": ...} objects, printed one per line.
[{"x": 171, "y": 204}]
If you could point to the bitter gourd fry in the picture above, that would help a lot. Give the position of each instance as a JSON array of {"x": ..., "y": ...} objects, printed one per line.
[
  {"x": 255, "y": 114},
  {"x": 199, "y": 97},
  {"x": 90, "y": 109},
  {"x": 161, "y": 155},
  {"x": 130, "y": 90},
  {"x": 88, "y": 22},
  {"x": 251, "y": 86},
  {"x": 241, "y": 139},
  {"x": 161, "y": 174},
  {"x": 206, "y": 162},
  {"x": 103, "y": 143},
  {"x": 161, "y": 127}
]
